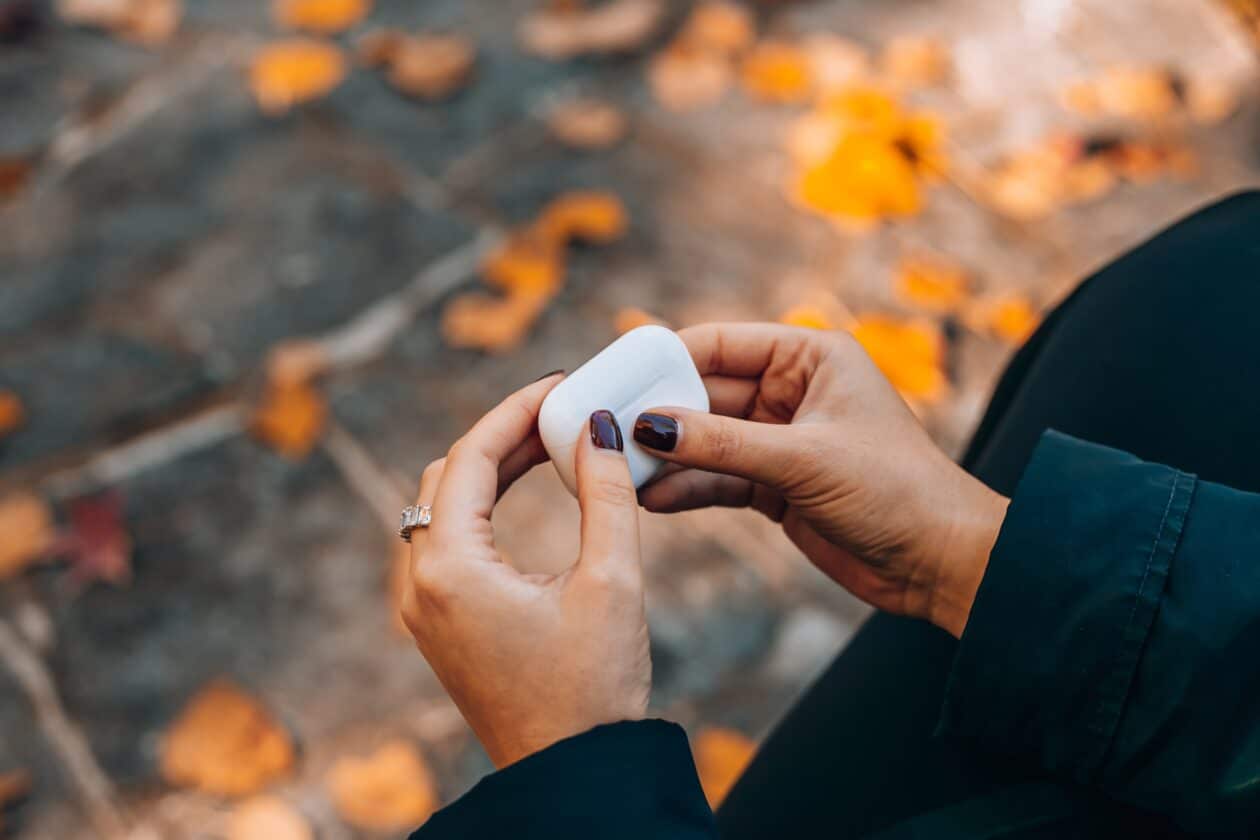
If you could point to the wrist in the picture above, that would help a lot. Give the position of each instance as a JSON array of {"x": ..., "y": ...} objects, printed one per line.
[{"x": 962, "y": 564}]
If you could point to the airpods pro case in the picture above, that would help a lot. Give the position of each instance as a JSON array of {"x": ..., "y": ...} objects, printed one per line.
[{"x": 645, "y": 368}]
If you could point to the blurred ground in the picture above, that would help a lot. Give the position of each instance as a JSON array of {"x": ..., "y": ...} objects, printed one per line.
[{"x": 171, "y": 234}]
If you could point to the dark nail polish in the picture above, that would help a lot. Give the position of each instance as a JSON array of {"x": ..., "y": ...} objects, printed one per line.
[
  {"x": 605, "y": 433},
  {"x": 656, "y": 431},
  {"x": 548, "y": 373}
]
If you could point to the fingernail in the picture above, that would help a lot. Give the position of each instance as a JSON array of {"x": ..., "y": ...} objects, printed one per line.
[
  {"x": 548, "y": 373},
  {"x": 656, "y": 431},
  {"x": 605, "y": 433}
]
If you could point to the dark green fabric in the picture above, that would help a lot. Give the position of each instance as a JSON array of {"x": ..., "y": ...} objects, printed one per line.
[
  {"x": 1114, "y": 641},
  {"x": 1113, "y": 650},
  {"x": 625, "y": 781}
]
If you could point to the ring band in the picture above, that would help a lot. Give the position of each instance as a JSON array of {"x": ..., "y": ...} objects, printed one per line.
[{"x": 413, "y": 517}]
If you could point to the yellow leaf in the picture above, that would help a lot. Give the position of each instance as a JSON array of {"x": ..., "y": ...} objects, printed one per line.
[
  {"x": 632, "y": 317},
  {"x": 226, "y": 743},
  {"x": 910, "y": 353},
  {"x": 721, "y": 756},
  {"x": 864, "y": 178},
  {"x": 390, "y": 790},
  {"x": 27, "y": 525},
  {"x": 267, "y": 818},
  {"x": 916, "y": 60},
  {"x": 719, "y": 27},
  {"x": 11, "y": 412},
  {"x": 324, "y": 17},
  {"x": 588, "y": 216},
  {"x": 290, "y": 419},
  {"x": 684, "y": 78},
  {"x": 287, "y": 73},
  {"x": 812, "y": 317},
  {"x": 776, "y": 71},
  {"x": 931, "y": 284},
  {"x": 587, "y": 123},
  {"x": 1140, "y": 93}
]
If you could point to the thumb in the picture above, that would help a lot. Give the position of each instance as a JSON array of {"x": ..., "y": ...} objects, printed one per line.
[
  {"x": 762, "y": 452},
  {"x": 610, "y": 510}
]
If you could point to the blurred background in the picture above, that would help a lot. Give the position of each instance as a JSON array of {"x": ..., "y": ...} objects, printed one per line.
[{"x": 261, "y": 261}]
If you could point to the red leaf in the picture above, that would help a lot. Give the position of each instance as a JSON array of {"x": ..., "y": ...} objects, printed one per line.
[{"x": 98, "y": 546}]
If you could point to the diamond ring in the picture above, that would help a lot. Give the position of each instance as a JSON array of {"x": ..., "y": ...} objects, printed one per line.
[{"x": 413, "y": 517}]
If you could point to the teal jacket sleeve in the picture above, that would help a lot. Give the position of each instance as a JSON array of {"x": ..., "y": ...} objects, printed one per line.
[
  {"x": 1115, "y": 637},
  {"x": 623, "y": 781}
]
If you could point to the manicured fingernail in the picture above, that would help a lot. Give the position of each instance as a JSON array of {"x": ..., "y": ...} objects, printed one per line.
[
  {"x": 605, "y": 433},
  {"x": 656, "y": 431},
  {"x": 548, "y": 373}
]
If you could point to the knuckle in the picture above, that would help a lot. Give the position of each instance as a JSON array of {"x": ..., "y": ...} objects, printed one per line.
[
  {"x": 610, "y": 492},
  {"x": 723, "y": 443}
]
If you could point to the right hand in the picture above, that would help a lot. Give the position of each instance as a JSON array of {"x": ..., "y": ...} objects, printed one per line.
[{"x": 807, "y": 430}]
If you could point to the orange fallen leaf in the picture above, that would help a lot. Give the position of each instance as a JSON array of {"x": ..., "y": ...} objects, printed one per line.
[
  {"x": 631, "y": 317},
  {"x": 226, "y": 743},
  {"x": 287, "y": 73},
  {"x": 1129, "y": 92},
  {"x": 324, "y": 17},
  {"x": 720, "y": 27},
  {"x": 428, "y": 67},
  {"x": 812, "y": 317},
  {"x": 15, "y": 785},
  {"x": 583, "y": 215},
  {"x": 1210, "y": 102},
  {"x": 290, "y": 419},
  {"x": 11, "y": 412},
  {"x": 777, "y": 71},
  {"x": 1011, "y": 318},
  {"x": 391, "y": 789},
  {"x": 683, "y": 78},
  {"x": 931, "y": 284},
  {"x": 296, "y": 362},
  {"x": 587, "y": 123},
  {"x": 267, "y": 818},
  {"x": 617, "y": 26},
  {"x": 27, "y": 524},
  {"x": 910, "y": 353},
  {"x": 528, "y": 262},
  {"x": 721, "y": 757},
  {"x": 497, "y": 324},
  {"x": 147, "y": 22},
  {"x": 14, "y": 173},
  {"x": 915, "y": 60}
]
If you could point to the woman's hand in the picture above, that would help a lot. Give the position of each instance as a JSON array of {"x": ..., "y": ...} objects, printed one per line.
[
  {"x": 530, "y": 659},
  {"x": 807, "y": 430}
]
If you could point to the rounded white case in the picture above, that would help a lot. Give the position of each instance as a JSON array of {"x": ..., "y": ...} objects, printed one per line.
[{"x": 648, "y": 367}]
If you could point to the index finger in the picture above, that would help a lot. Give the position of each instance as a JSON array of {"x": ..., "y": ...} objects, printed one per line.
[
  {"x": 740, "y": 349},
  {"x": 470, "y": 481}
]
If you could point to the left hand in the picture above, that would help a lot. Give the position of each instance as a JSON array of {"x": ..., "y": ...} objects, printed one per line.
[{"x": 529, "y": 659}]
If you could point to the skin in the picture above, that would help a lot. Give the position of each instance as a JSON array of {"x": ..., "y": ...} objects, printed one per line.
[{"x": 803, "y": 428}]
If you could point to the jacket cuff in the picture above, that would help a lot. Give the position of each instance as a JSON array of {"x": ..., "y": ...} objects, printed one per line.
[
  {"x": 627, "y": 779},
  {"x": 1066, "y": 604}
]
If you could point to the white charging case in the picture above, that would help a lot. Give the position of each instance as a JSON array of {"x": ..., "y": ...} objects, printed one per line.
[{"x": 647, "y": 367}]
